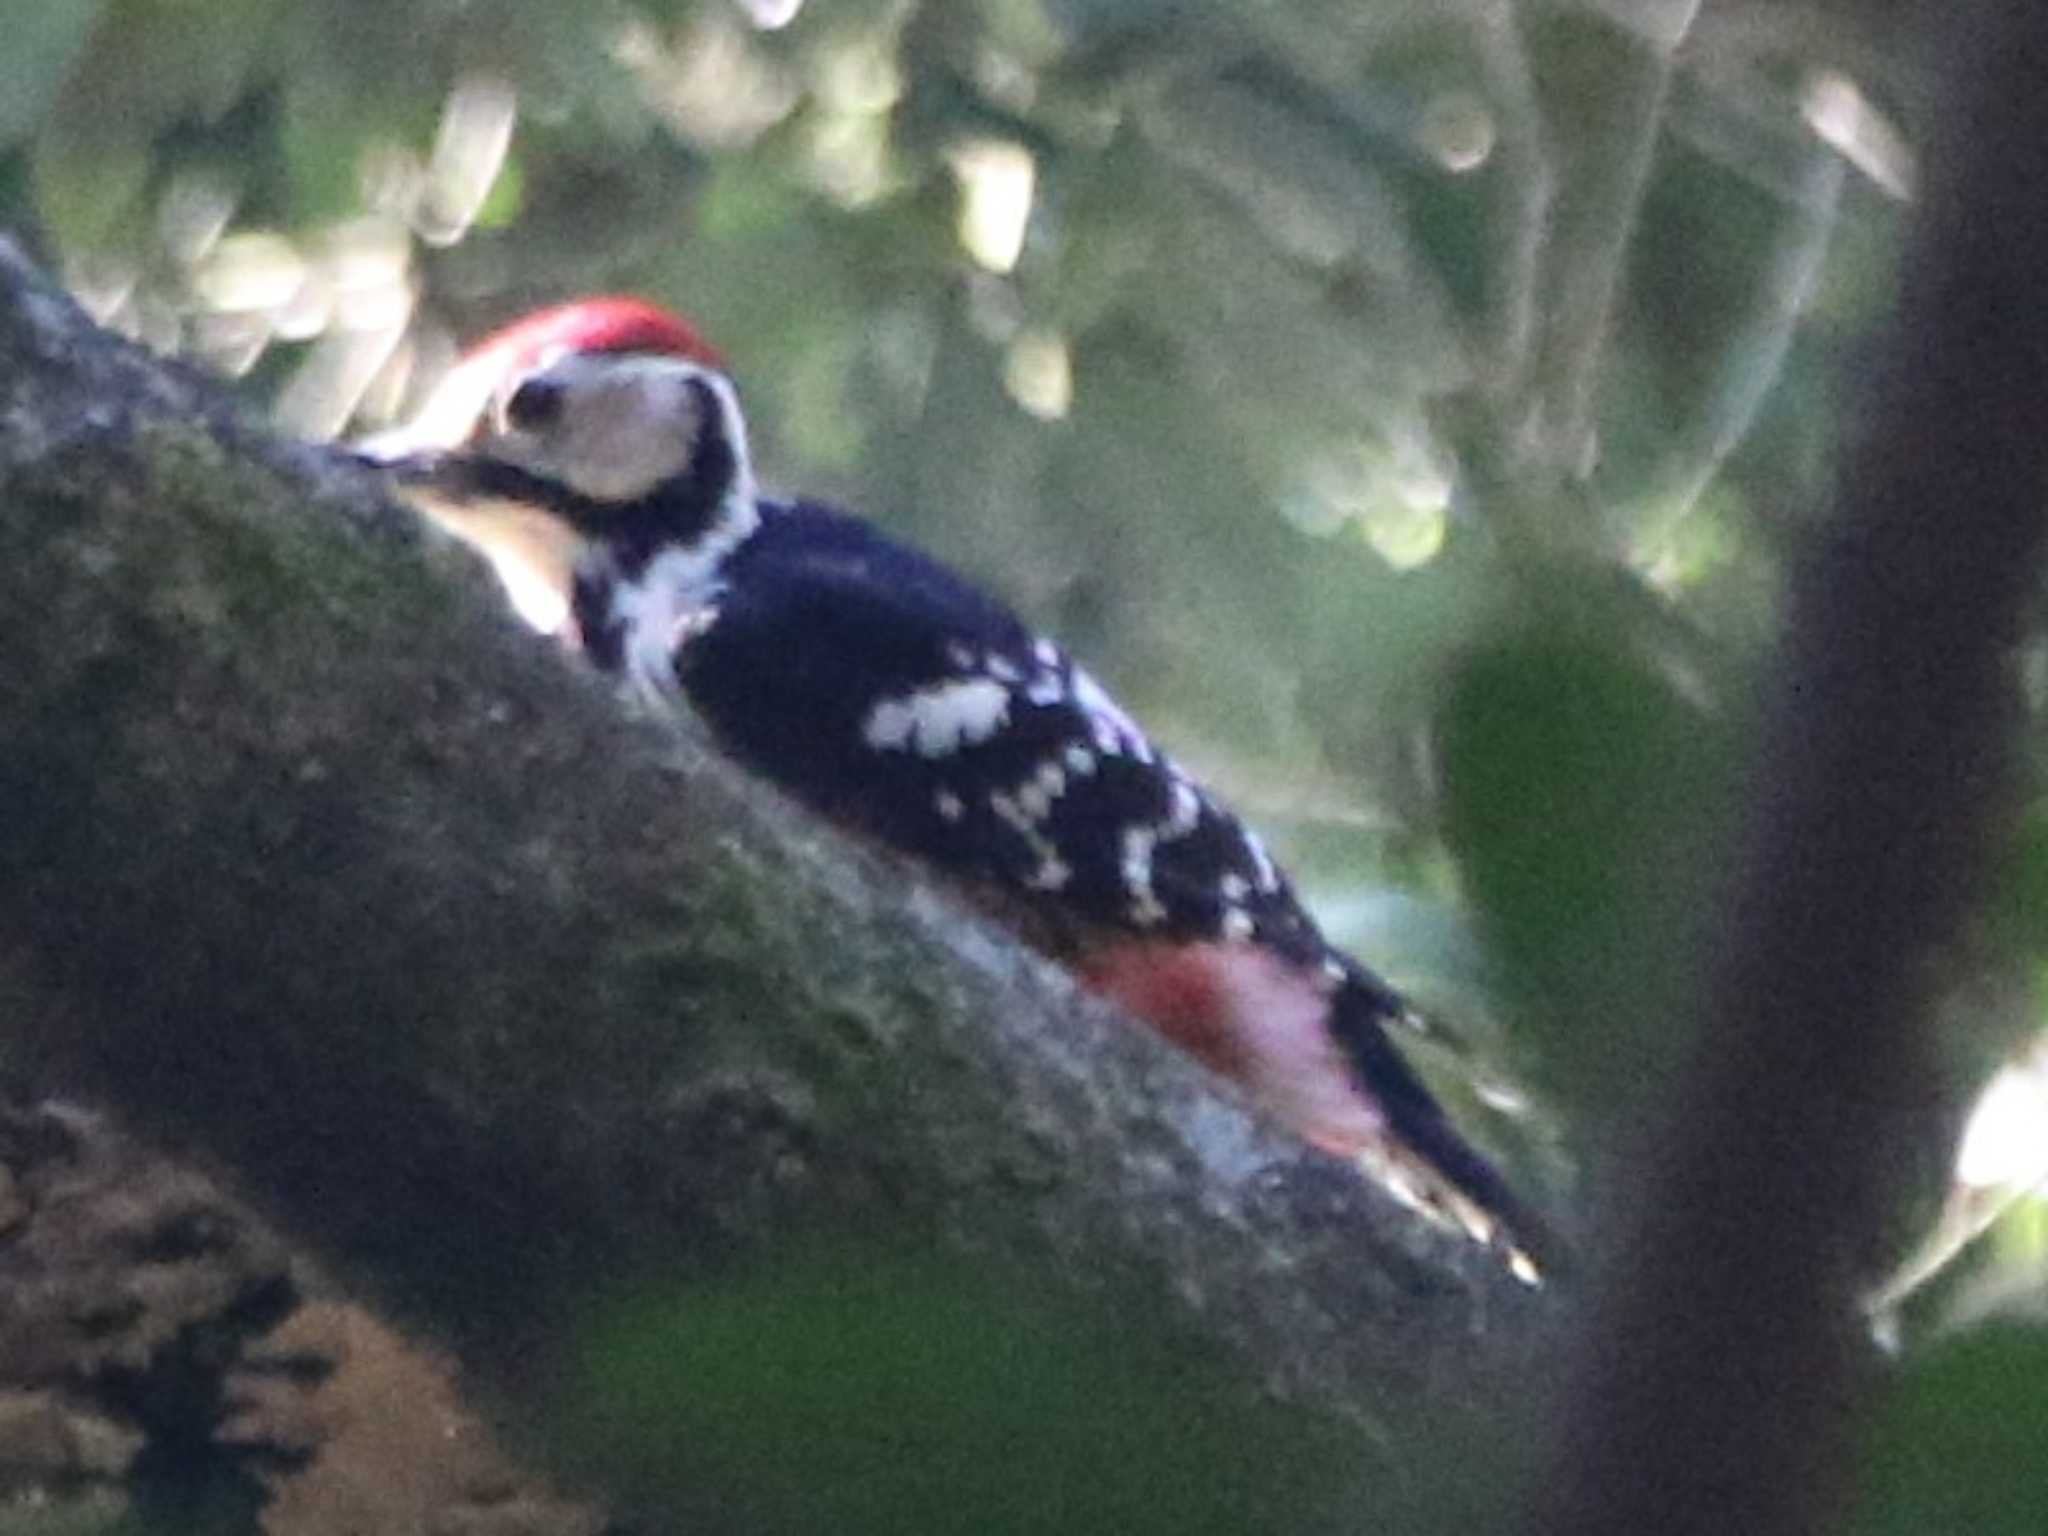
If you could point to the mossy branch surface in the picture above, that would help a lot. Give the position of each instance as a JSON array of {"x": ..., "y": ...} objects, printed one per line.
[{"x": 490, "y": 988}]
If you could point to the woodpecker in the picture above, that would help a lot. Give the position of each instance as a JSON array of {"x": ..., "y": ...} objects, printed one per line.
[{"x": 603, "y": 466}]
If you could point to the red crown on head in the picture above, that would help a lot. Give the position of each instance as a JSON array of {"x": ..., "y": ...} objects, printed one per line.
[
  {"x": 450, "y": 415},
  {"x": 604, "y": 324}
]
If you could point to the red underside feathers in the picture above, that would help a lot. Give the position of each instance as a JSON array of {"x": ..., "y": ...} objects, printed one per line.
[{"x": 1255, "y": 1018}]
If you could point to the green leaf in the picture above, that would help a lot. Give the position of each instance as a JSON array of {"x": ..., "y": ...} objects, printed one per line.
[
  {"x": 1959, "y": 1439},
  {"x": 502, "y": 205},
  {"x": 2020, "y": 894},
  {"x": 321, "y": 134},
  {"x": 44, "y": 39},
  {"x": 857, "y": 1392},
  {"x": 149, "y": 69},
  {"x": 88, "y": 191},
  {"x": 1581, "y": 793}
]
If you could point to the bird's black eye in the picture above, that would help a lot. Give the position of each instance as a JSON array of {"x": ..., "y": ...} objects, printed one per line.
[{"x": 535, "y": 405}]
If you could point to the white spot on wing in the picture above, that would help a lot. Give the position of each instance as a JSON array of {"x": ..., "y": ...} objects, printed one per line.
[
  {"x": 1237, "y": 923},
  {"x": 1262, "y": 862},
  {"x": 1094, "y": 700},
  {"x": 1051, "y": 872},
  {"x": 948, "y": 805},
  {"x": 1145, "y": 909},
  {"x": 1137, "y": 864},
  {"x": 940, "y": 719}
]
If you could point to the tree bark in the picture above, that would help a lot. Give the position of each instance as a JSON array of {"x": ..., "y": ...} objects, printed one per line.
[
  {"x": 1725, "y": 1365},
  {"x": 314, "y": 863}
]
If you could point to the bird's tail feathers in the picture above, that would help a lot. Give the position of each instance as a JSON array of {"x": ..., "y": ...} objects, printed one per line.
[{"x": 1425, "y": 1162}]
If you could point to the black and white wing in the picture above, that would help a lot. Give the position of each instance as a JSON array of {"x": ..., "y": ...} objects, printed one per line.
[{"x": 892, "y": 695}]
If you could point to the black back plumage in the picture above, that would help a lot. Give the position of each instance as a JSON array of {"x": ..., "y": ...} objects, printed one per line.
[{"x": 881, "y": 622}]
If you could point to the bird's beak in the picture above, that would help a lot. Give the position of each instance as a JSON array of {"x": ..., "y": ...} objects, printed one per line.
[{"x": 450, "y": 416}]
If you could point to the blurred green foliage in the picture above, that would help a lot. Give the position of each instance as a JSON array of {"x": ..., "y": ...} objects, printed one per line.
[
  {"x": 1406, "y": 405},
  {"x": 1957, "y": 1445},
  {"x": 860, "y": 1390},
  {"x": 1583, "y": 794}
]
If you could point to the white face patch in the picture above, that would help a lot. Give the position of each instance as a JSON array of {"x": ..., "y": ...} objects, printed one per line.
[
  {"x": 613, "y": 428},
  {"x": 610, "y": 428},
  {"x": 938, "y": 720}
]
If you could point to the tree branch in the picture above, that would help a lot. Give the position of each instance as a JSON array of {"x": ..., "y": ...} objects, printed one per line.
[
  {"x": 492, "y": 990},
  {"x": 1525, "y": 198},
  {"x": 1754, "y": 355},
  {"x": 1595, "y": 214},
  {"x": 1724, "y": 1355}
]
